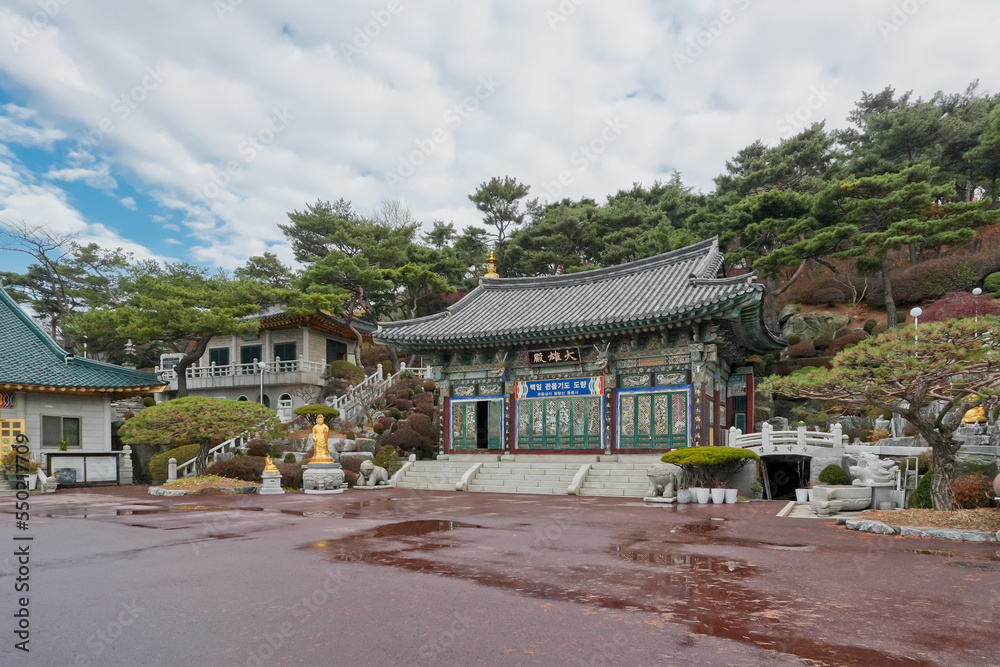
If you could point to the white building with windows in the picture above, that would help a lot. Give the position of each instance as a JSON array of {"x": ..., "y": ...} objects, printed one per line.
[
  {"x": 282, "y": 366},
  {"x": 57, "y": 403}
]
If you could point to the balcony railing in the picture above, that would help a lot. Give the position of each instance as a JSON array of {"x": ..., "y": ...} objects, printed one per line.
[{"x": 276, "y": 366}]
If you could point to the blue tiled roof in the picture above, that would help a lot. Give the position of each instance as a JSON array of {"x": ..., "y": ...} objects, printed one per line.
[{"x": 28, "y": 356}]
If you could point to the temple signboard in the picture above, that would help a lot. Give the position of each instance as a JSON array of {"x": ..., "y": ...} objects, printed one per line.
[
  {"x": 589, "y": 386},
  {"x": 552, "y": 356}
]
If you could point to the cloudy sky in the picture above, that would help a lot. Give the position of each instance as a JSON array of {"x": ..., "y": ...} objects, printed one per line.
[{"x": 186, "y": 129}]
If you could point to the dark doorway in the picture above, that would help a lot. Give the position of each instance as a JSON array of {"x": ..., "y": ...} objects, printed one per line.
[
  {"x": 482, "y": 425},
  {"x": 785, "y": 474}
]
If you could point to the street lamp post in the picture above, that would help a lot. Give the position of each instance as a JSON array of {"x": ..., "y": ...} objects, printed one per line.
[
  {"x": 976, "y": 292},
  {"x": 262, "y": 365},
  {"x": 915, "y": 313}
]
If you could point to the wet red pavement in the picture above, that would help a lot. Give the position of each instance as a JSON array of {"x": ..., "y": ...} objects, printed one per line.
[{"x": 410, "y": 577}]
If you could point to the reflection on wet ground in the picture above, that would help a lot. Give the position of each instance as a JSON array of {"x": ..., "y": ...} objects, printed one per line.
[{"x": 697, "y": 572}]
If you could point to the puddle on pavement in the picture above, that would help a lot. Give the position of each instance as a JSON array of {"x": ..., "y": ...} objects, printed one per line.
[
  {"x": 978, "y": 566},
  {"x": 706, "y": 593}
]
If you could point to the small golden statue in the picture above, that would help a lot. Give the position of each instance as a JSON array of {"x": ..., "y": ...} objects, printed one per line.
[
  {"x": 321, "y": 451},
  {"x": 976, "y": 415},
  {"x": 269, "y": 465}
]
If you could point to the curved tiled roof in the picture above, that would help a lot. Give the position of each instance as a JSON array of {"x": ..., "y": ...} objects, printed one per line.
[
  {"x": 30, "y": 359},
  {"x": 658, "y": 290}
]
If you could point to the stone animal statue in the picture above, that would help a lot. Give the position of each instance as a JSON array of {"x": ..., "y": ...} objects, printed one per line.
[
  {"x": 872, "y": 471},
  {"x": 372, "y": 475},
  {"x": 662, "y": 480}
]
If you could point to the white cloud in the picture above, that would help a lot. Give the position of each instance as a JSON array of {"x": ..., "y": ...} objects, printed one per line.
[
  {"x": 129, "y": 203},
  {"x": 231, "y": 122}
]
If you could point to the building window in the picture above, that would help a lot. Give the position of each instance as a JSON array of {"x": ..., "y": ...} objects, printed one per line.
[
  {"x": 284, "y": 351},
  {"x": 249, "y": 355},
  {"x": 218, "y": 356},
  {"x": 267, "y": 401},
  {"x": 284, "y": 402},
  {"x": 242, "y": 398},
  {"x": 335, "y": 350},
  {"x": 56, "y": 430}
]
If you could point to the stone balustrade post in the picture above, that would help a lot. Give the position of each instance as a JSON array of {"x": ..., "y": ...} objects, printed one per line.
[
  {"x": 838, "y": 436},
  {"x": 125, "y": 466},
  {"x": 172, "y": 470},
  {"x": 379, "y": 371},
  {"x": 765, "y": 434},
  {"x": 800, "y": 435},
  {"x": 734, "y": 437}
]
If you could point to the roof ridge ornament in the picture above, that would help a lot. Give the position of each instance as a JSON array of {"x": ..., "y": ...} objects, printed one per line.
[{"x": 491, "y": 267}]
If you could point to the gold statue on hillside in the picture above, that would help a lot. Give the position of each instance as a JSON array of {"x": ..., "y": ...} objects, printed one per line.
[
  {"x": 321, "y": 451},
  {"x": 269, "y": 465},
  {"x": 976, "y": 415}
]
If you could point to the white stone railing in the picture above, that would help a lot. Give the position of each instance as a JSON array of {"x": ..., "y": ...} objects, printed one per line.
[
  {"x": 800, "y": 436},
  {"x": 352, "y": 402},
  {"x": 187, "y": 468},
  {"x": 276, "y": 366}
]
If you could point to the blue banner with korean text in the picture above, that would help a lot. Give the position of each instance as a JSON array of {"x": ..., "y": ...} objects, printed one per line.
[{"x": 592, "y": 386}]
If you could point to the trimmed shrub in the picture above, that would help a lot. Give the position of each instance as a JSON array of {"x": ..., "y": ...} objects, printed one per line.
[
  {"x": 290, "y": 458},
  {"x": 930, "y": 279},
  {"x": 959, "y": 304},
  {"x": 407, "y": 441},
  {"x": 291, "y": 475},
  {"x": 389, "y": 459},
  {"x": 992, "y": 285},
  {"x": 430, "y": 385},
  {"x": 834, "y": 474},
  {"x": 921, "y": 496},
  {"x": 311, "y": 411},
  {"x": 847, "y": 340},
  {"x": 403, "y": 404},
  {"x": 794, "y": 339},
  {"x": 149, "y": 401},
  {"x": 710, "y": 466},
  {"x": 345, "y": 370},
  {"x": 276, "y": 451},
  {"x": 421, "y": 424},
  {"x": 247, "y": 468},
  {"x": 386, "y": 422},
  {"x": 870, "y": 326},
  {"x": 378, "y": 429},
  {"x": 973, "y": 491},
  {"x": 830, "y": 296},
  {"x": 257, "y": 447},
  {"x": 395, "y": 413},
  {"x": 351, "y": 478},
  {"x": 822, "y": 341},
  {"x": 841, "y": 332},
  {"x": 158, "y": 464},
  {"x": 801, "y": 350}
]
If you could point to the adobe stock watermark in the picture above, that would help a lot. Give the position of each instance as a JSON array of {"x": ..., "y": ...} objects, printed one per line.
[
  {"x": 303, "y": 610},
  {"x": 551, "y": 533},
  {"x": 222, "y": 175},
  {"x": 105, "y": 637},
  {"x": 801, "y": 117},
  {"x": 49, "y": 9},
  {"x": 562, "y": 12},
  {"x": 701, "y": 41},
  {"x": 585, "y": 155},
  {"x": 453, "y": 118},
  {"x": 123, "y": 106},
  {"x": 430, "y": 653},
  {"x": 365, "y": 34},
  {"x": 900, "y": 16}
]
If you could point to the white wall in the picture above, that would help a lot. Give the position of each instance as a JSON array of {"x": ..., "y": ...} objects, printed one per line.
[{"x": 94, "y": 414}]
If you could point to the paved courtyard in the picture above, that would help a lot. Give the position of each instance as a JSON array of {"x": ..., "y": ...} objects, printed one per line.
[{"x": 419, "y": 578}]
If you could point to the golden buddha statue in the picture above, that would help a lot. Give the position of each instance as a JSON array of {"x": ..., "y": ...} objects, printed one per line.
[
  {"x": 321, "y": 451},
  {"x": 269, "y": 465},
  {"x": 976, "y": 415}
]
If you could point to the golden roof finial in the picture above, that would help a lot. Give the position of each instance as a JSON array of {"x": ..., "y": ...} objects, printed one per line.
[{"x": 491, "y": 266}]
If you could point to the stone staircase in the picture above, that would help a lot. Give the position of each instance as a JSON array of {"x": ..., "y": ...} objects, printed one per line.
[
  {"x": 433, "y": 475},
  {"x": 619, "y": 478},
  {"x": 540, "y": 474},
  {"x": 524, "y": 477}
]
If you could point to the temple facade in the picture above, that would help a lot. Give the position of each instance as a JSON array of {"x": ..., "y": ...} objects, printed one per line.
[{"x": 637, "y": 358}]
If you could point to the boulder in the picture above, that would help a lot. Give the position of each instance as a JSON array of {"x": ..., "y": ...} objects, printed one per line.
[
  {"x": 786, "y": 313},
  {"x": 809, "y": 325}
]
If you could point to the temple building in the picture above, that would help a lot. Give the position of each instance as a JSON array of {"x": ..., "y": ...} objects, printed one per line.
[{"x": 637, "y": 358}]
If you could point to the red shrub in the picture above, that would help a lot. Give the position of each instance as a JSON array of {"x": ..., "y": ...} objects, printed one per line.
[
  {"x": 848, "y": 339},
  {"x": 960, "y": 304},
  {"x": 247, "y": 468},
  {"x": 406, "y": 440},
  {"x": 801, "y": 350},
  {"x": 421, "y": 424},
  {"x": 972, "y": 491}
]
